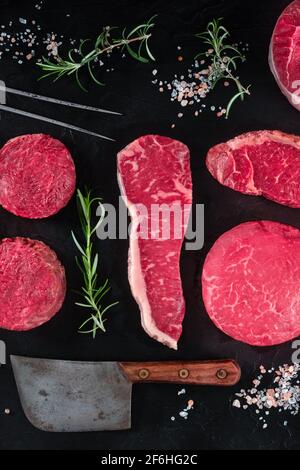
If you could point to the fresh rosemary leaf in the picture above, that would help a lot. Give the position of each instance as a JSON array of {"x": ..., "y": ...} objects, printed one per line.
[
  {"x": 91, "y": 292},
  {"x": 77, "y": 243},
  {"x": 235, "y": 97}
]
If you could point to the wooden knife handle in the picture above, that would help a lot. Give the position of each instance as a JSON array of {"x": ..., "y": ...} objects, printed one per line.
[{"x": 219, "y": 372}]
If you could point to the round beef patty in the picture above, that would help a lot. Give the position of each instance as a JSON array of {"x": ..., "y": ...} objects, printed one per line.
[
  {"x": 37, "y": 176},
  {"x": 251, "y": 283},
  {"x": 33, "y": 283}
]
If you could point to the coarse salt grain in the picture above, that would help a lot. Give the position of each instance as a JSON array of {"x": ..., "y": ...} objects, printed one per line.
[
  {"x": 190, "y": 404},
  {"x": 236, "y": 403}
]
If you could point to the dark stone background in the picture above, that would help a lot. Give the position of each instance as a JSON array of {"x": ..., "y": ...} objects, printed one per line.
[{"x": 214, "y": 424}]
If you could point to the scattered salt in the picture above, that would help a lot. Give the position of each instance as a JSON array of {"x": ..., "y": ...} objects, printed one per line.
[{"x": 284, "y": 395}]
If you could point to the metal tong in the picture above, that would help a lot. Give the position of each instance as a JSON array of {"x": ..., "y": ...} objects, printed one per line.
[{"x": 3, "y": 107}]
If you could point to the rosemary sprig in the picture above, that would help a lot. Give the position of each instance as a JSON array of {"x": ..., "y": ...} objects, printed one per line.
[
  {"x": 134, "y": 41},
  {"x": 223, "y": 58},
  {"x": 91, "y": 291}
]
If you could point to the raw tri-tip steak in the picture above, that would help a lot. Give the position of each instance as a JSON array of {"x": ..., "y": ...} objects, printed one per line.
[
  {"x": 284, "y": 53},
  {"x": 251, "y": 283},
  {"x": 155, "y": 171},
  {"x": 33, "y": 283},
  {"x": 259, "y": 163}
]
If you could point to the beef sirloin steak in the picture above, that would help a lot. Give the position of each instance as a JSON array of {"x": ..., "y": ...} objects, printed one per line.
[
  {"x": 251, "y": 283},
  {"x": 155, "y": 170},
  {"x": 265, "y": 163},
  {"x": 37, "y": 176},
  {"x": 284, "y": 53},
  {"x": 33, "y": 283}
]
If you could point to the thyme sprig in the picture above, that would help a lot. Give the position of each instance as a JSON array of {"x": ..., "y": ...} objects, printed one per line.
[
  {"x": 224, "y": 59},
  {"x": 92, "y": 292},
  {"x": 134, "y": 41}
]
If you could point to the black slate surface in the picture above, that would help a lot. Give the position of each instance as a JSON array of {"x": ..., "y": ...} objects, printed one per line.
[{"x": 214, "y": 424}]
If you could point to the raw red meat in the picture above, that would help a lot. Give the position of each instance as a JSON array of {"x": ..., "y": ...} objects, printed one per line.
[
  {"x": 155, "y": 170},
  {"x": 258, "y": 163},
  {"x": 284, "y": 54},
  {"x": 251, "y": 283},
  {"x": 37, "y": 176},
  {"x": 33, "y": 283}
]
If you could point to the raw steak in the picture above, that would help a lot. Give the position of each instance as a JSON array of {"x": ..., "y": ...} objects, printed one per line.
[
  {"x": 37, "y": 176},
  {"x": 155, "y": 170},
  {"x": 284, "y": 53},
  {"x": 251, "y": 283},
  {"x": 33, "y": 283},
  {"x": 258, "y": 163}
]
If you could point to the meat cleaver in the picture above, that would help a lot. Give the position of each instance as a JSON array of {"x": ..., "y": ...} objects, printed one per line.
[{"x": 73, "y": 396}]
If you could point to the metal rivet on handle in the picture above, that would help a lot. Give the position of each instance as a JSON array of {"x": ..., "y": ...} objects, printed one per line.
[
  {"x": 143, "y": 374},
  {"x": 183, "y": 373},
  {"x": 221, "y": 374}
]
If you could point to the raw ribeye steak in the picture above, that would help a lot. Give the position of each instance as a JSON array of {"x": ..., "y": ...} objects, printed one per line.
[
  {"x": 33, "y": 283},
  {"x": 155, "y": 171},
  {"x": 251, "y": 283},
  {"x": 265, "y": 163},
  {"x": 284, "y": 53},
  {"x": 37, "y": 176}
]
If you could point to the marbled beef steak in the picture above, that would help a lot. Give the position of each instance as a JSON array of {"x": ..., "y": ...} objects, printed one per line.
[
  {"x": 152, "y": 171},
  {"x": 33, "y": 283},
  {"x": 251, "y": 283},
  {"x": 284, "y": 53},
  {"x": 37, "y": 176},
  {"x": 259, "y": 163}
]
